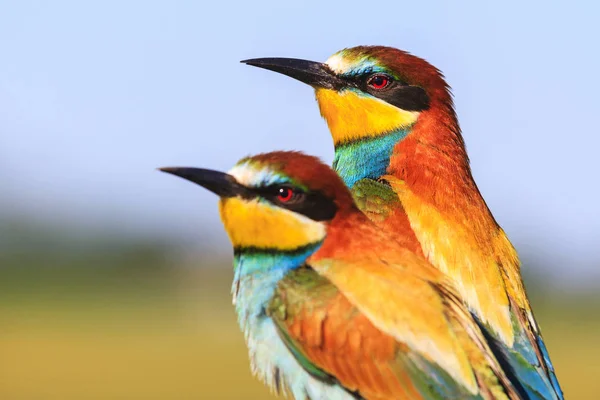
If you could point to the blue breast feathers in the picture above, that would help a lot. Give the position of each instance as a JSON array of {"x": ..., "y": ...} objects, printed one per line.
[
  {"x": 366, "y": 158},
  {"x": 256, "y": 276}
]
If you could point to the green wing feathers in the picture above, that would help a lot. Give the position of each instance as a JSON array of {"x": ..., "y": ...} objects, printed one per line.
[{"x": 326, "y": 329}]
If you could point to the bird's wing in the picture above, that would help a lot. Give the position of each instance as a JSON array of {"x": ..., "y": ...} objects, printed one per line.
[
  {"x": 376, "y": 199},
  {"x": 379, "y": 334},
  {"x": 486, "y": 269},
  {"x": 334, "y": 341},
  {"x": 528, "y": 356},
  {"x": 530, "y": 367}
]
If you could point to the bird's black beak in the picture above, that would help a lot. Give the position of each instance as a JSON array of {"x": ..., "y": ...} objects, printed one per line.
[
  {"x": 220, "y": 183},
  {"x": 315, "y": 74}
]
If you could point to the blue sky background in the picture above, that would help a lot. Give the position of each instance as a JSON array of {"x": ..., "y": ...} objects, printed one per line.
[{"x": 95, "y": 95}]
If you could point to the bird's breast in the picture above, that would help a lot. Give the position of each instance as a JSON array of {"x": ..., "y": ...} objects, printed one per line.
[{"x": 270, "y": 359}]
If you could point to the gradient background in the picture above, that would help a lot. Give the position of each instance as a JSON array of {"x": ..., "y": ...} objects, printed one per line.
[{"x": 114, "y": 278}]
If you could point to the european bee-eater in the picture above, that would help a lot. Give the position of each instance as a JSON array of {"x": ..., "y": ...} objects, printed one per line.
[
  {"x": 331, "y": 306},
  {"x": 399, "y": 147}
]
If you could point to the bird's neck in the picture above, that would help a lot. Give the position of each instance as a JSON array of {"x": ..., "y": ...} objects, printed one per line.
[
  {"x": 256, "y": 275},
  {"x": 429, "y": 156},
  {"x": 351, "y": 231},
  {"x": 368, "y": 157},
  {"x": 432, "y": 161}
]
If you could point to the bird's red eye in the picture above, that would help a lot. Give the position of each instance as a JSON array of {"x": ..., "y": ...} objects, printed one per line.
[
  {"x": 285, "y": 194},
  {"x": 378, "y": 81}
]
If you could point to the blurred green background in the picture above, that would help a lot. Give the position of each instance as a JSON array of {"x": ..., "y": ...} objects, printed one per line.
[{"x": 101, "y": 317}]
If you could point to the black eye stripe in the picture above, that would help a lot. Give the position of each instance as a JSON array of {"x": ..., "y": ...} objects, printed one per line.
[
  {"x": 314, "y": 205},
  {"x": 409, "y": 98},
  {"x": 393, "y": 80},
  {"x": 361, "y": 81},
  {"x": 397, "y": 93}
]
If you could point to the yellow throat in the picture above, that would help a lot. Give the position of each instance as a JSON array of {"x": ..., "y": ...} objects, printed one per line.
[
  {"x": 351, "y": 116},
  {"x": 252, "y": 223}
]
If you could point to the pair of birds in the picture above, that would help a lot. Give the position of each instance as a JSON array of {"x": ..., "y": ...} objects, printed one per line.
[{"x": 386, "y": 277}]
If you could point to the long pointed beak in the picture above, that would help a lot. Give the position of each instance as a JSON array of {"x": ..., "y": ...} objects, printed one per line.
[
  {"x": 220, "y": 183},
  {"x": 313, "y": 73}
]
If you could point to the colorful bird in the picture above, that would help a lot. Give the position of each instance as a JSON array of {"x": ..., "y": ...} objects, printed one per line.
[
  {"x": 398, "y": 146},
  {"x": 331, "y": 306}
]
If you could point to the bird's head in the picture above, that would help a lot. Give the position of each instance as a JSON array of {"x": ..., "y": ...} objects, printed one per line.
[
  {"x": 279, "y": 201},
  {"x": 367, "y": 91}
]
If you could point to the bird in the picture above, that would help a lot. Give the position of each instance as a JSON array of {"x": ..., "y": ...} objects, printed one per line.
[
  {"x": 399, "y": 147},
  {"x": 331, "y": 306}
]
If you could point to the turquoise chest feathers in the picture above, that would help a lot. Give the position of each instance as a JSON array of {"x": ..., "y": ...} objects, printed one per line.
[
  {"x": 366, "y": 158},
  {"x": 256, "y": 276}
]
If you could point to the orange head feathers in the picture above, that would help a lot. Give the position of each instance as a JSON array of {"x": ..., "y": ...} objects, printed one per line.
[{"x": 307, "y": 171}]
